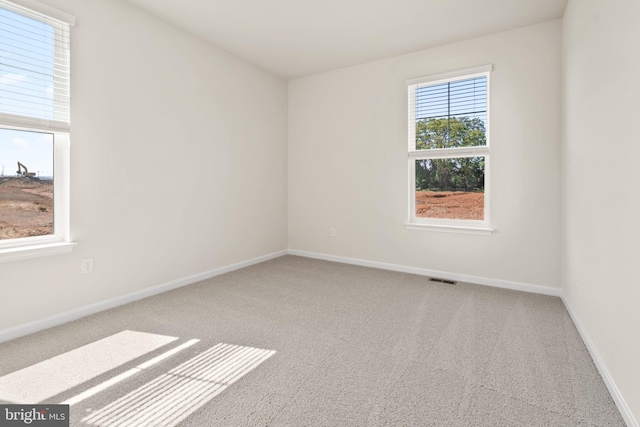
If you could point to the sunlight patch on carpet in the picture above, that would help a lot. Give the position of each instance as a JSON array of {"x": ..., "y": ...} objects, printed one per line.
[
  {"x": 51, "y": 377},
  {"x": 172, "y": 397},
  {"x": 127, "y": 374}
]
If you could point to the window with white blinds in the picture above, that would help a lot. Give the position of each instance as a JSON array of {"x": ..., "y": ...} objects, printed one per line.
[
  {"x": 34, "y": 68},
  {"x": 449, "y": 149},
  {"x": 35, "y": 130}
]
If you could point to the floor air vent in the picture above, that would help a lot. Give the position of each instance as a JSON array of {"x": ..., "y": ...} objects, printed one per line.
[{"x": 437, "y": 279}]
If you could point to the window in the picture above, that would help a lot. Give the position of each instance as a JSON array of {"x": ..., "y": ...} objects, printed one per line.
[
  {"x": 34, "y": 130},
  {"x": 449, "y": 151}
]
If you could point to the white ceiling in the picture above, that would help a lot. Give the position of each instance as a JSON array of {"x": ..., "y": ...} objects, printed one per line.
[{"x": 294, "y": 38}]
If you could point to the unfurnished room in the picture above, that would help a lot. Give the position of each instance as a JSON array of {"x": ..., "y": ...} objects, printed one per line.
[{"x": 319, "y": 213}]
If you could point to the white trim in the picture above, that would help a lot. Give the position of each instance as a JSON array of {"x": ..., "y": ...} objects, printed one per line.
[
  {"x": 484, "y": 231},
  {"x": 33, "y": 124},
  {"x": 621, "y": 404},
  {"x": 411, "y": 115},
  {"x": 35, "y": 251},
  {"x": 68, "y": 316},
  {"x": 496, "y": 283},
  {"x": 466, "y": 73},
  {"x": 36, "y": 6},
  {"x": 62, "y": 186},
  {"x": 450, "y": 153}
]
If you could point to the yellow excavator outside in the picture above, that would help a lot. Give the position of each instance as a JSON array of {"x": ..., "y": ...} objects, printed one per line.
[{"x": 26, "y": 172}]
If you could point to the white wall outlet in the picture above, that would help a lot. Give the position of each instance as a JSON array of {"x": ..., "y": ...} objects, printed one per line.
[
  {"x": 332, "y": 232},
  {"x": 87, "y": 265}
]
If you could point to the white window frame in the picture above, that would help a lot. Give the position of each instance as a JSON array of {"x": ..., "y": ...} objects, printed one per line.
[
  {"x": 60, "y": 241},
  {"x": 442, "y": 224}
]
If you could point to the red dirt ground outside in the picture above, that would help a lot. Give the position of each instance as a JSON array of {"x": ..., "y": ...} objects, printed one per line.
[
  {"x": 26, "y": 207},
  {"x": 450, "y": 205}
]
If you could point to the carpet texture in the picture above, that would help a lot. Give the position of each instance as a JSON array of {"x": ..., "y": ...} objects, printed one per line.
[{"x": 344, "y": 346}]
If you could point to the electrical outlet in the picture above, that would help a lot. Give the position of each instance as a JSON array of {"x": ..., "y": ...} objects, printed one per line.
[
  {"x": 87, "y": 266},
  {"x": 332, "y": 232}
]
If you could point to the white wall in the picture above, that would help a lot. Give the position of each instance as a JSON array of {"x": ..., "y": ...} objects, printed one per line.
[
  {"x": 178, "y": 163},
  {"x": 348, "y": 160},
  {"x": 179, "y": 166},
  {"x": 601, "y": 193}
]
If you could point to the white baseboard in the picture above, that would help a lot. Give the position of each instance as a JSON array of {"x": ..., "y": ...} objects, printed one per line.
[
  {"x": 68, "y": 316},
  {"x": 497, "y": 283},
  {"x": 602, "y": 369}
]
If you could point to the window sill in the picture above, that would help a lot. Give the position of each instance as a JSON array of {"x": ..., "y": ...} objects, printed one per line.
[
  {"x": 35, "y": 251},
  {"x": 484, "y": 231}
]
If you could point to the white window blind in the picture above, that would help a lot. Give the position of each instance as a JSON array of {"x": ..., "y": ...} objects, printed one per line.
[
  {"x": 34, "y": 69},
  {"x": 444, "y": 99},
  {"x": 462, "y": 98}
]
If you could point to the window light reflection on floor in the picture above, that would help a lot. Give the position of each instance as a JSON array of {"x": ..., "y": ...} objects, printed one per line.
[
  {"x": 173, "y": 396},
  {"x": 127, "y": 374},
  {"x": 58, "y": 374}
]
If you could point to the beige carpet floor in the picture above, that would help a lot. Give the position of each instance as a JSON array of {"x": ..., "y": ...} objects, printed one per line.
[{"x": 301, "y": 342}]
